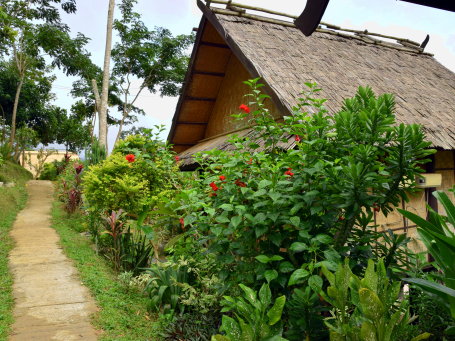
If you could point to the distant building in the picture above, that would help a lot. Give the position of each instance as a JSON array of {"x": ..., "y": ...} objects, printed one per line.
[{"x": 33, "y": 158}]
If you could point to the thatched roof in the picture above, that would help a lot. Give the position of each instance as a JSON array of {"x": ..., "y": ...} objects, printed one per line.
[{"x": 285, "y": 59}]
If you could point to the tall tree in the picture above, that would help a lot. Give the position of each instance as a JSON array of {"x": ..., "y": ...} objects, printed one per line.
[
  {"x": 38, "y": 31},
  {"x": 106, "y": 74},
  {"x": 155, "y": 58}
]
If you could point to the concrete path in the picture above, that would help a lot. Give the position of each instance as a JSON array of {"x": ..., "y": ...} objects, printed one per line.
[{"x": 50, "y": 301}]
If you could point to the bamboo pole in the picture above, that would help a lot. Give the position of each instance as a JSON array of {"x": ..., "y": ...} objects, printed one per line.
[{"x": 330, "y": 26}]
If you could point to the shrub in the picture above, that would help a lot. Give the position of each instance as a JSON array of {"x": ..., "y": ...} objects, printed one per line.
[
  {"x": 49, "y": 172},
  {"x": 139, "y": 168}
]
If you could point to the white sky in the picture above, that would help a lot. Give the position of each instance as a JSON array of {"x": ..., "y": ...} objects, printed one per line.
[{"x": 390, "y": 17}]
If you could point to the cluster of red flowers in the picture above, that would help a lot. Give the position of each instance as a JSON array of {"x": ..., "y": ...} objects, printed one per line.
[
  {"x": 177, "y": 158},
  {"x": 182, "y": 223},
  {"x": 297, "y": 138},
  {"x": 288, "y": 172},
  {"x": 245, "y": 108},
  {"x": 222, "y": 177},
  {"x": 130, "y": 158},
  {"x": 214, "y": 186}
]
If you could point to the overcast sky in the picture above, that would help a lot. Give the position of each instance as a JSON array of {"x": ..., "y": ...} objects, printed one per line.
[{"x": 180, "y": 16}]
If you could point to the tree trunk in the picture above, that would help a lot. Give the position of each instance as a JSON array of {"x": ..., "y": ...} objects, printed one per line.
[
  {"x": 16, "y": 104},
  {"x": 106, "y": 74}
]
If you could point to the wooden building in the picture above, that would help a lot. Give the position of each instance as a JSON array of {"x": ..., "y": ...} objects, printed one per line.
[{"x": 233, "y": 45}]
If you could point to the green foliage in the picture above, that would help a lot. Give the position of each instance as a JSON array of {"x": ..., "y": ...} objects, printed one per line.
[
  {"x": 255, "y": 319},
  {"x": 116, "y": 183},
  {"x": 164, "y": 287},
  {"x": 95, "y": 153},
  {"x": 50, "y": 172},
  {"x": 367, "y": 308},
  {"x": 279, "y": 215},
  {"x": 439, "y": 239},
  {"x": 194, "y": 326},
  {"x": 69, "y": 185}
]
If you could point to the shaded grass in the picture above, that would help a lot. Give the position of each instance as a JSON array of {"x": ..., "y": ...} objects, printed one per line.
[
  {"x": 122, "y": 315},
  {"x": 12, "y": 200}
]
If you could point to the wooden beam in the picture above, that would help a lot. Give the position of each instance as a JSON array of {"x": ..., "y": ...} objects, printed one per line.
[
  {"x": 205, "y": 99},
  {"x": 208, "y": 73},
  {"x": 207, "y": 43}
]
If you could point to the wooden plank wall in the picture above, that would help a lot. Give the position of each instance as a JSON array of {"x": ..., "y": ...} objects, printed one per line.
[{"x": 445, "y": 165}]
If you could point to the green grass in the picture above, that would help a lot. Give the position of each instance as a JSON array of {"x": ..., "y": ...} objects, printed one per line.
[
  {"x": 12, "y": 200},
  {"x": 123, "y": 315}
]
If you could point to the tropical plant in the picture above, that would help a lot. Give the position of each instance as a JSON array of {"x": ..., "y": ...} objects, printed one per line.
[
  {"x": 95, "y": 153},
  {"x": 115, "y": 229},
  {"x": 254, "y": 319},
  {"x": 438, "y": 236},
  {"x": 368, "y": 308},
  {"x": 164, "y": 287}
]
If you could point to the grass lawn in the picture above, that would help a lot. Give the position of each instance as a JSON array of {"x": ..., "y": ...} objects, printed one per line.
[
  {"x": 123, "y": 315},
  {"x": 12, "y": 200}
]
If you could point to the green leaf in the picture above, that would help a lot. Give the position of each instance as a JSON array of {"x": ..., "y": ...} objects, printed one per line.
[
  {"x": 259, "y": 218},
  {"x": 372, "y": 306},
  {"x": 423, "y": 336},
  {"x": 264, "y": 183},
  {"x": 295, "y": 221},
  {"x": 274, "y": 314},
  {"x": 263, "y": 259},
  {"x": 260, "y": 230},
  {"x": 298, "y": 247},
  {"x": 231, "y": 327},
  {"x": 315, "y": 282},
  {"x": 286, "y": 267},
  {"x": 249, "y": 294},
  {"x": 227, "y": 207},
  {"x": 265, "y": 296},
  {"x": 236, "y": 220},
  {"x": 276, "y": 257},
  {"x": 270, "y": 275},
  {"x": 324, "y": 239},
  {"x": 222, "y": 219},
  {"x": 297, "y": 276}
]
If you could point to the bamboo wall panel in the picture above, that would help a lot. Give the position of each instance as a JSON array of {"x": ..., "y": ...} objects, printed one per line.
[
  {"x": 195, "y": 111},
  {"x": 211, "y": 35},
  {"x": 212, "y": 59},
  {"x": 231, "y": 95},
  {"x": 204, "y": 86}
]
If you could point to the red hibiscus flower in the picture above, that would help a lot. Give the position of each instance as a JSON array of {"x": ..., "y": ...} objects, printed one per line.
[
  {"x": 240, "y": 183},
  {"x": 222, "y": 177},
  {"x": 214, "y": 186},
  {"x": 245, "y": 108},
  {"x": 297, "y": 138},
  {"x": 177, "y": 158},
  {"x": 182, "y": 223},
  {"x": 288, "y": 172},
  {"x": 130, "y": 158}
]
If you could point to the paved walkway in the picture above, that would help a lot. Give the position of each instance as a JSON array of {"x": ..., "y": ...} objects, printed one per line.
[{"x": 50, "y": 301}]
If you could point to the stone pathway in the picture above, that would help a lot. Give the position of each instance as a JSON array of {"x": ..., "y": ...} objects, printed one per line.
[{"x": 50, "y": 301}]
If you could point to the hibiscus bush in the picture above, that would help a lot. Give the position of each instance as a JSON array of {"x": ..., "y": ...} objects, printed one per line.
[
  {"x": 290, "y": 195},
  {"x": 139, "y": 168}
]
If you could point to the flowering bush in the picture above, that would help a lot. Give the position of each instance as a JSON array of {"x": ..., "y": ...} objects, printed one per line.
[
  {"x": 139, "y": 168},
  {"x": 278, "y": 215}
]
